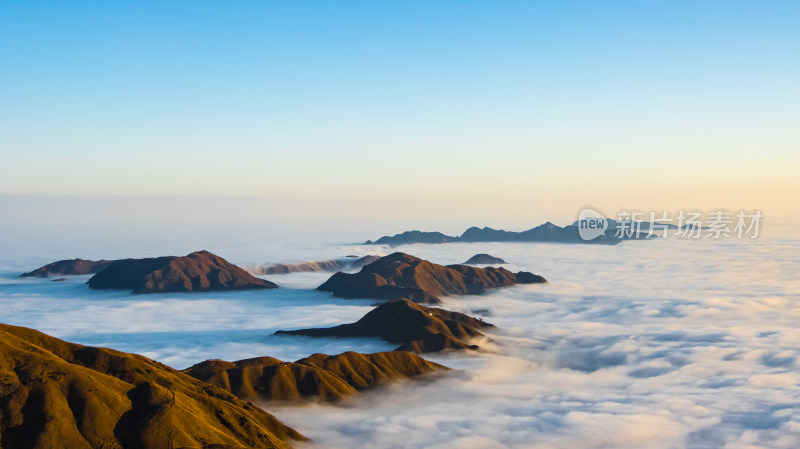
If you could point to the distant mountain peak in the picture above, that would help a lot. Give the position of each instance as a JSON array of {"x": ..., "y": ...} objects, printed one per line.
[
  {"x": 546, "y": 232},
  {"x": 401, "y": 275},
  {"x": 198, "y": 271}
]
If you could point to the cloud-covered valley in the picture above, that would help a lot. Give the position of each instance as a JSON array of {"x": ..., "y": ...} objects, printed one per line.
[{"x": 663, "y": 344}]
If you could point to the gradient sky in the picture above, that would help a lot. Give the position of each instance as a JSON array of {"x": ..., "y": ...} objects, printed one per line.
[{"x": 430, "y": 106}]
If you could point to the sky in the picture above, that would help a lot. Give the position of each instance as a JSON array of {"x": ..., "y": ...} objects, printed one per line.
[{"x": 507, "y": 111}]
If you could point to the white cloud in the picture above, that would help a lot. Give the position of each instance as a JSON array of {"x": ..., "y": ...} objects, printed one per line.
[{"x": 663, "y": 344}]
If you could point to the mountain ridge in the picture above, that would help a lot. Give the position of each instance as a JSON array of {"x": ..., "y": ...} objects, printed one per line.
[
  {"x": 59, "y": 394},
  {"x": 418, "y": 328},
  {"x": 321, "y": 376},
  {"x": 546, "y": 232},
  {"x": 400, "y": 275},
  {"x": 198, "y": 271}
]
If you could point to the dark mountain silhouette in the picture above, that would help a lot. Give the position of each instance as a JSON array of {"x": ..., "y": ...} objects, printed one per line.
[
  {"x": 418, "y": 328},
  {"x": 526, "y": 277},
  {"x": 400, "y": 275},
  {"x": 68, "y": 267},
  {"x": 413, "y": 237},
  {"x": 55, "y": 394},
  {"x": 484, "y": 259},
  {"x": 322, "y": 265},
  {"x": 320, "y": 376},
  {"x": 198, "y": 271},
  {"x": 547, "y": 232}
]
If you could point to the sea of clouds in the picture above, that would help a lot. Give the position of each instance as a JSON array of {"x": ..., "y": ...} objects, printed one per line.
[{"x": 658, "y": 344}]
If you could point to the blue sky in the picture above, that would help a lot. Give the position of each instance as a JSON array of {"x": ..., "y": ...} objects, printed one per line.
[{"x": 552, "y": 104}]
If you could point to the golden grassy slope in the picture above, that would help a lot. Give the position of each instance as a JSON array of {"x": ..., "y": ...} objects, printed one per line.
[{"x": 55, "y": 394}]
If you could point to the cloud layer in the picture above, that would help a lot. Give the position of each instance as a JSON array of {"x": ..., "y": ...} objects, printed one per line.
[{"x": 663, "y": 344}]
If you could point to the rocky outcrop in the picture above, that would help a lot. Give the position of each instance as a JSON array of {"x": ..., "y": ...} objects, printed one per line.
[
  {"x": 484, "y": 259},
  {"x": 400, "y": 275},
  {"x": 321, "y": 376},
  {"x": 200, "y": 271},
  {"x": 72, "y": 267},
  {"x": 55, "y": 394},
  {"x": 526, "y": 277},
  {"x": 417, "y": 328},
  {"x": 322, "y": 265}
]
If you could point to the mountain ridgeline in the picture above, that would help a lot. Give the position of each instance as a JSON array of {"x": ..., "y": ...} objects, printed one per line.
[
  {"x": 484, "y": 259},
  {"x": 417, "y": 328},
  {"x": 69, "y": 267},
  {"x": 320, "y": 376},
  {"x": 400, "y": 275},
  {"x": 55, "y": 394},
  {"x": 547, "y": 232},
  {"x": 198, "y": 271}
]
